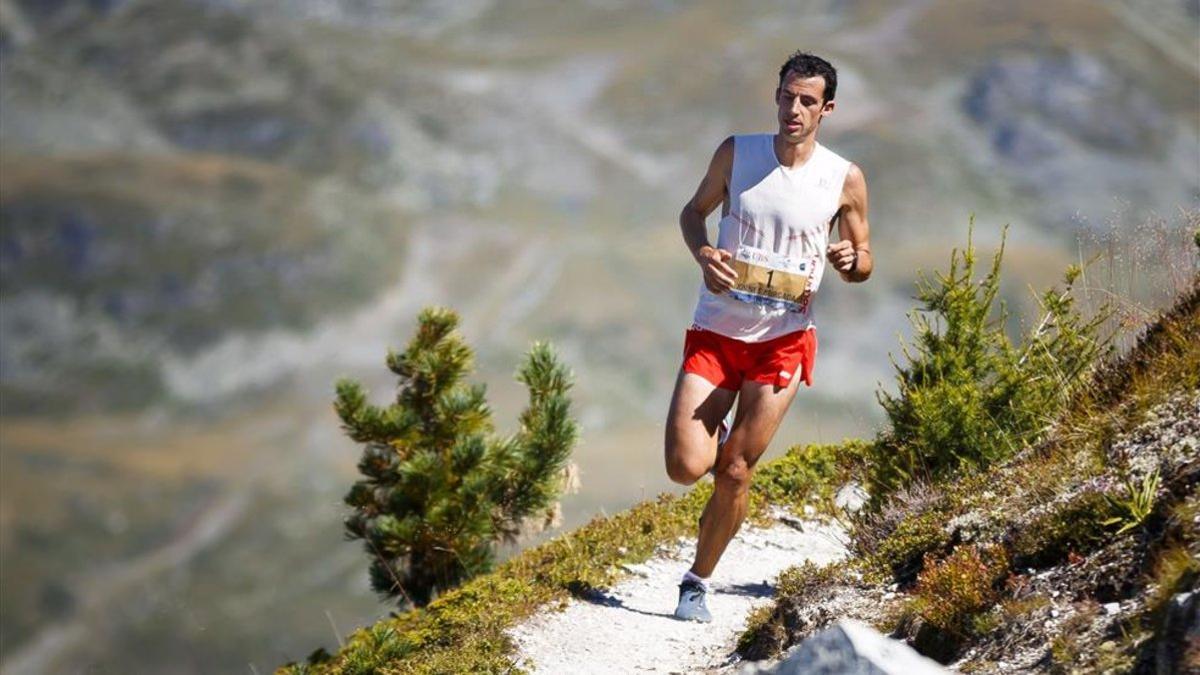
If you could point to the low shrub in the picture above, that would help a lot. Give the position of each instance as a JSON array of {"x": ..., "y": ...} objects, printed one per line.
[
  {"x": 760, "y": 628},
  {"x": 799, "y": 581},
  {"x": 951, "y": 592},
  {"x": 871, "y": 536},
  {"x": 776, "y": 626},
  {"x": 902, "y": 554}
]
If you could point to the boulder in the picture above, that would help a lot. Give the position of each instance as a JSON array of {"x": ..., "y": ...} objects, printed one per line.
[
  {"x": 851, "y": 648},
  {"x": 1179, "y": 635}
]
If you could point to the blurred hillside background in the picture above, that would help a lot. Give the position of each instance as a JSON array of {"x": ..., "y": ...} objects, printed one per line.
[{"x": 211, "y": 209}]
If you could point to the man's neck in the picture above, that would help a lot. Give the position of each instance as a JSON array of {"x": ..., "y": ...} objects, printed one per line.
[{"x": 794, "y": 154}]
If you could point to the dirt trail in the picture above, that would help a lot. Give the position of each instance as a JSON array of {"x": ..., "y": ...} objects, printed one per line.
[{"x": 631, "y": 627}]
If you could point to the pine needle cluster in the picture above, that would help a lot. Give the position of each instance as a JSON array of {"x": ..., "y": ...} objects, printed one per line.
[
  {"x": 440, "y": 487},
  {"x": 967, "y": 395}
]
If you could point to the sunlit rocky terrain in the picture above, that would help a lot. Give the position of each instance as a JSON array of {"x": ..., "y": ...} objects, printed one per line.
[{"x": 209, "y": 210}]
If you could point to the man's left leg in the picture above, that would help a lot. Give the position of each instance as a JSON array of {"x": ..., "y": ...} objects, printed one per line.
[{"x": 760, "y": 410}]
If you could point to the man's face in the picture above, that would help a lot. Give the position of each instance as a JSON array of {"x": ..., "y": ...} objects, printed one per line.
[{"x": 802, "y": 104}]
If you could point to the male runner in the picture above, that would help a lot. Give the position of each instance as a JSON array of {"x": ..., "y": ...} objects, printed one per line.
[{"x": 753, "y": 337}]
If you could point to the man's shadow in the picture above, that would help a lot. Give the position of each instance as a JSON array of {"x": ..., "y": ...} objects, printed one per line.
[
  {"x": 596, "y": 596},
  {"x": 711, "y": 409},
  {"x": 759, "y": 590},
  {"x": 602, "y": 598}
]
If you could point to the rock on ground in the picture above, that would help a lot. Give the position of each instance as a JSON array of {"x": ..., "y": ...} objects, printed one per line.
[{"x": 850, "y": 648}]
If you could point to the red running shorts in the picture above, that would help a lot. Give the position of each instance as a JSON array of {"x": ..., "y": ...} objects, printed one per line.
[{"x": 727, "y": 362}]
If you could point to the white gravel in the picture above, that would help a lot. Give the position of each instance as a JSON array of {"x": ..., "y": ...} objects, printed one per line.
[{"x": 630, "y": 628}]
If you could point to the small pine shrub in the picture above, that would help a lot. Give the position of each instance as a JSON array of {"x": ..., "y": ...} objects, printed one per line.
[
  {"x": 440, "y": 488},
  {"x": 968, "y": 396},
  {"x": 378, "y": 645}
]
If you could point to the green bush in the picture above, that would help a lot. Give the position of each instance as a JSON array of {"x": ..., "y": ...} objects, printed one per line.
[
  {"x": 809, "y": 474},
  {"x": 967, "y": 396},
  {"x": 440, "y": 488}
]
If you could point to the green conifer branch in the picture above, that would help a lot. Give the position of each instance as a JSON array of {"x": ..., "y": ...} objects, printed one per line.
[{"x": 439, "y": 489}]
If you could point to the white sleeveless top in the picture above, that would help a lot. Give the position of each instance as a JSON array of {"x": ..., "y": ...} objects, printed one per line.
[{"x": 782, "y": 212}]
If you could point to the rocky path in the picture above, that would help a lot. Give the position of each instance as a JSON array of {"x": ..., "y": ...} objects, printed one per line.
[{"x": 631, "y": 629}]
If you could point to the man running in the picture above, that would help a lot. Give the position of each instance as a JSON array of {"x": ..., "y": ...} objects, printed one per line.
[{"x": 753, "y": 337}]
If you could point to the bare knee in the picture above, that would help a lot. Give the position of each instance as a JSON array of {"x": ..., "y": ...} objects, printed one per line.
[
  {"x": 687, "y": 460},
  {"x": 734, "y": 474},
  {"x": 686, "y": 469}
]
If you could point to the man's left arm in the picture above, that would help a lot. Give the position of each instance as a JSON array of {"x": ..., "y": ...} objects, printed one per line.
[{"x": 851, "y": 256}]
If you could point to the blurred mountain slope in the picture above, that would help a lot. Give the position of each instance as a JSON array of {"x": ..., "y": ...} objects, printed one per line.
[{"x": 211, "y": 208}]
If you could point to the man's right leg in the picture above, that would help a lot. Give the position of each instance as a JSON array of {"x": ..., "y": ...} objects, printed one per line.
[{"x": 697, "y": 408}]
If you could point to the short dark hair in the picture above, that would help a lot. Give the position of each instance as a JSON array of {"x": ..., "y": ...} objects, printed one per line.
[{"x": 808, "y": 65}]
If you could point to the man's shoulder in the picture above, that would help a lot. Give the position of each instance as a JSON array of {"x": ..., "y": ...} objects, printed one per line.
[
  {"x": 730, "y": 144},
  {"x": 735, "y": 143},
  {"x": 840, "y": 169},
  {"x": 834, "y": 156},
  {"x": 751, "y": 137}
]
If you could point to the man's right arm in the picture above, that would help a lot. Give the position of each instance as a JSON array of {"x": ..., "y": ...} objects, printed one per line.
[{"x": 718, "y": 276}]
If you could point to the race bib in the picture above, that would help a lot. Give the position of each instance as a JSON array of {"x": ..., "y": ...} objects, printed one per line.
[{"x": 771, "y": 279}]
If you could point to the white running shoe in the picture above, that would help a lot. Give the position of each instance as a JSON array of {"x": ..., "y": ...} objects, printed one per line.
[{"x": 692, "y": 606}]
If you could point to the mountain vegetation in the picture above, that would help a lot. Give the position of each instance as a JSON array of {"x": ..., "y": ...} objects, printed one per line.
[{"x": 1061, "y": 540}]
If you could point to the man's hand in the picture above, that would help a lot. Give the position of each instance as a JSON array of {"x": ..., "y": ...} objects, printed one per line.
[
  {"x": 718, "y": 276},
  {"x": 841, "y": 255}
]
